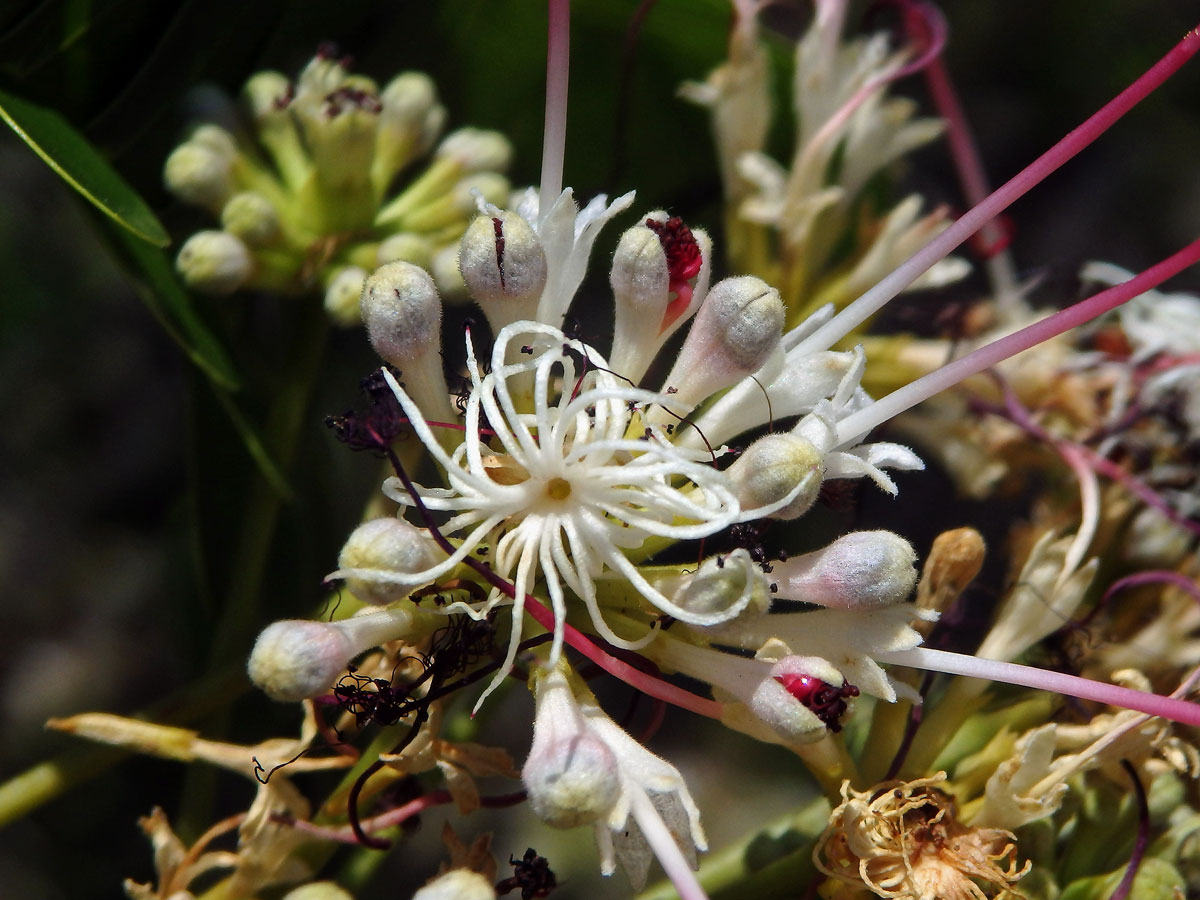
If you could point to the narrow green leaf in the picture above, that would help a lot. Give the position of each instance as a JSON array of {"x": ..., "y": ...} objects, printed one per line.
[
  {"x": 75, "y": 160},
  {"x": 171, "y": 304}
]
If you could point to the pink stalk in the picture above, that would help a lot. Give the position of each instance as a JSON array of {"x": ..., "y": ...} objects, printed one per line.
[
  {"x": 963, "y": 150},
  {"x": 982, "y": 213},
  {"x": 1139, "y": 488},
  {"x": 554, "y": 137},
  {"x": 947, "y": 376},
  {"x": 1154, "y": 576},
  {"x": 1056, "y": 682},
  {"x": 634, "y": 677},
  {"x": 1072, "y": 452}
]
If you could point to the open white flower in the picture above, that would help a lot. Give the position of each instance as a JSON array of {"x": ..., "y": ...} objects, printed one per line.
[{"x": 566, "y": 487}]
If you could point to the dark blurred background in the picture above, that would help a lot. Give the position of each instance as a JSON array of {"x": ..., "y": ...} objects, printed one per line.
[{"x": 122, "y": 484}]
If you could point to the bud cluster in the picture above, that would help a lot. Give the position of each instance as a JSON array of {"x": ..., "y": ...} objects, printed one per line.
[{"x": 308, "y": 200}]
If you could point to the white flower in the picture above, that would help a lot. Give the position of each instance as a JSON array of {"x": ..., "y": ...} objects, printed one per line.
[
  {"x": 584, "y": 768},
  {"x": 567, "y": 486}
]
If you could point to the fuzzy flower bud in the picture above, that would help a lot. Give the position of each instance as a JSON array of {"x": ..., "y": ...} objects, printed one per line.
[
  {"x": 343, "y": 294},
  {"x": 757, "y": 699},
  {"x": 200, "y": 173},
  {"x": 318, "y": 890},
  {"x": 405, "y": 247},
  {"x": 295, "y": 659},
  {"x": 723, "y": 587},
  {"x": 446, "y": 275},
  {"x": 457, "y": 884},
  {"x": 736, "y": 329},
  {"x": 251, "y": 217},
  {"x": 571, "y": 774},
  {"x": 403, "y": 313},
  {"x": 772, "y": 468},
  {"x": 392, "y": 545},
  {"x": 214, "y": 262},
  {"x": 504, "y": 266},
  {"x": 476, "y": 149},
  {"x": 863, "y": 570},
  {"x": 654, "y": 269},
  {"x": 408, "y": 125}
]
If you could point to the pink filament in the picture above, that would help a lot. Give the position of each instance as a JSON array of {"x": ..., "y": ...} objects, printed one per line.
[
  {"x": 1057, "y": 682},
  {"x": 974, "y": 219}
]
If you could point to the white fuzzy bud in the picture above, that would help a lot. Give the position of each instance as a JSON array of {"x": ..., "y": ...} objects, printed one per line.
[
  {"x": 773, "y": 467},
  {"x": 252, "y": 217},
  {"x": 737, "y": 327},
  {"x": 295, "y": 659},
  {"x": 403, "y": 313},
  {"x": 571, "y": 774},
  {"x": 214, "y": 262},
  {"x": 457, "y": 884},
  {"x": 197, "y": 173},
  {"x": 863, "y": 570},
  {"x": 504, "y": 267},
  {"x": 390, "y": 544},
  {"x": 640, "y": 282},
  {"x": 649, "y": 308},
  {"x": 343, "y": 294},
  {"x": 476, "y": 150}
]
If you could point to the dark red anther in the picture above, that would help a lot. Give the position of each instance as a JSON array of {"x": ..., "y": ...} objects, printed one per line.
[
  {"x": 683, "y": 263},
  {"x": 828, "y": 703},
  {"x": 499, "y": 228}
]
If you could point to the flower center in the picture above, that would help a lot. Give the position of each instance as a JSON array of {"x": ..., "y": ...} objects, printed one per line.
[{"x": 558, "y": 488}]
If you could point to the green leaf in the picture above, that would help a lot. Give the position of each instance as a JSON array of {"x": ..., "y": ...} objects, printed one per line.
[
  {"x": 171, "y": 304},
  {"x": 70, "y": 155}
]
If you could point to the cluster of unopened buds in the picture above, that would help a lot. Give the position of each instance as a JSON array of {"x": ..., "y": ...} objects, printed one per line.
[{"x": 306, "y": 192}]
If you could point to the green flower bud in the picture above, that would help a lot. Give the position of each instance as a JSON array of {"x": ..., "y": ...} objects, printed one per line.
[
  {"x": 214, "y": 262},
  {"x": 476, "y": 149},
  {"x": 342, "y": 295},
  {"x": 198, "y": 174},
  {"x": 318, "y": 890},
  {"x": 772, "y": 468},
  {"x": 251, "y": 217},
  {"x": 390, "y": 544},
  {"x": 405, "y": 247}
]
